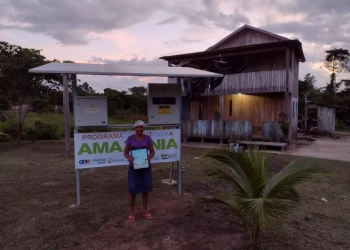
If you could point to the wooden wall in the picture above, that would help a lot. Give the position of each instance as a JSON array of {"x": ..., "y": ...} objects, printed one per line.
[
  {"x": 326, "y": 119},
  {"x": 264, "y": 61},
  {"x": 252, "y": 82},
  {"x": 241, "y": 130},
  {"x": 254, "y": 108},
  {"x": 293, "y": 75},
  {"x": 247, "y": 37}
]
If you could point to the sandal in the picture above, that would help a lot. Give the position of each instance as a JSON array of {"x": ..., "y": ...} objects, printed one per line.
[
  {"x": 131, "y": 218},
  {"x": 148, "y": 216}
]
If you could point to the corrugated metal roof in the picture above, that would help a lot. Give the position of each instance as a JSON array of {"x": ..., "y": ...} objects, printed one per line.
[{"x": 295, "y": 44}]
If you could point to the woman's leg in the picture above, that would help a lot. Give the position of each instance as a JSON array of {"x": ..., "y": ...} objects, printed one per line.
[
  {"x": 145, "y": 203},
  {"x": 132, "y": 204}
]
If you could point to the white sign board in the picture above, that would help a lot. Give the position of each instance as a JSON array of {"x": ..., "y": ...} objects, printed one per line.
[{"x": 105, "y": 149}]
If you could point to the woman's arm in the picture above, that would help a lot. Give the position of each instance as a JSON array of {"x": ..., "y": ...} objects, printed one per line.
[
  {"x": 126, "y": 153},
  {"x": 151, "y": 151}
]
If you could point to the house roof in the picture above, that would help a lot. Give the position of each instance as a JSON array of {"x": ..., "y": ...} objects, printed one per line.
[
  {"x": 248, "y": 49},
  {"x": 246, "y": 26},
  {"x": 122, "y": 70},
  {"x": 320, "y": 104}
]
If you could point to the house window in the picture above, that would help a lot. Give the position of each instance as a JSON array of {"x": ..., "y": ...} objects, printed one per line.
[{"x": 230, "y": 109}]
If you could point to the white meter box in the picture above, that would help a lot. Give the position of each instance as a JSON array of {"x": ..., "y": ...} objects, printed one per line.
[
  {"x": 163, "y": 103},
  {"x": 90, "y": 111}
]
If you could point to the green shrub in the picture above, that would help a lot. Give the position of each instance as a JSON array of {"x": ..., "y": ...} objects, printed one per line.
[
  {"x": 43, "y": 131},
  {"x": 5, "y": 137},
  {"x": 10, "y": 127}
]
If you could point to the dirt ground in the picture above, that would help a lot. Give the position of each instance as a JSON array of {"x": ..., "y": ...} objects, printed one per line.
[
  {"x": 324, "y": 147},
  {"x": 37, "y": 197}
]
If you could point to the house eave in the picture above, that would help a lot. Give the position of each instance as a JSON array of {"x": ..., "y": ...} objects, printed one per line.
[{"x": 294, "y": 44}]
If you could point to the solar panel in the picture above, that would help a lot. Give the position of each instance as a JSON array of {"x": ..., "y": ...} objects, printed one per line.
[{"x": 121, "y": 70}]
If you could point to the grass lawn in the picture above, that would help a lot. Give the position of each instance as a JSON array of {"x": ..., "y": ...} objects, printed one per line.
[
  {"x": 37, "y": 191},
  {"x": 58, "y": 119}
]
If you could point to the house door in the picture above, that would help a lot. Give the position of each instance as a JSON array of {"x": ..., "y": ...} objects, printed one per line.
[{"x": 195, "y": 110}]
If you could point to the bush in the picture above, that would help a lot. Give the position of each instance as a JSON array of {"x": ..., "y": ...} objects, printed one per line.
[
  {"x": 341, "y": 126},
  {"x": 39, "y": 131},
  {"x": 43, "y": 131},
  {"x": 10, "y": 127},
  {"x": 5, "y": 137}
]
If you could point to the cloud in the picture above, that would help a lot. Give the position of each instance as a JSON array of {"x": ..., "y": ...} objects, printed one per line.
[
  {"x": 325, "y": 22},
  {"x": 70, "y": 21},
  {"x": 169, "y": 20},
  {"x": 134, "y": 61},
  {"x": 99, "y": 83},
  {"x": 207, "y": 12}
]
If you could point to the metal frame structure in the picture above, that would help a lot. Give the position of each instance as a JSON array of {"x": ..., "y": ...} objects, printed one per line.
[{"x": 67, "y": 69}]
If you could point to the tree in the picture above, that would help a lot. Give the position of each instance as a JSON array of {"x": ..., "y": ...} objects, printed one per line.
[
  {"x": 17, "y": 86},
  {"x": 141, "y": 90},
  {"x": 307, "y": 84},
  {"x": 336, "y": 61},
  {"x": 306, "y": 87},
  {"x": 254, "y": 199}
]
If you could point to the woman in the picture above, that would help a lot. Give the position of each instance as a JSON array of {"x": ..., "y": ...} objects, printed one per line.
[{"x": 139, "y": 180}]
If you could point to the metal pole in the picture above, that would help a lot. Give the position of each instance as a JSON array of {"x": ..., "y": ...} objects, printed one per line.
[
  {"x": 77, "y": 175},
  {"x": 179, "y": 177},
  {"x": 179, "y": 168},
  {"x": 171, "y": 173}
]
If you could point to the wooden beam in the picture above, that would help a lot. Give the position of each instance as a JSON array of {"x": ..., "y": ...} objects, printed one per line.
[
  {"x": 287, "y": 96},
  {"x": 221, "y": 115},
  {"x": 66, "y": 114},
  {"x": 305, "y": 116}
]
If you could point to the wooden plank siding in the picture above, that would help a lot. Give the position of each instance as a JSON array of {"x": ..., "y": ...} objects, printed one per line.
[
  {"x": 252, "y": 82},
  {"x": 247, "y": 37},
  {"x": 253, "y": 108},
  {"x": 216, "y": 129},
  {"x": 326, "y": 119}
]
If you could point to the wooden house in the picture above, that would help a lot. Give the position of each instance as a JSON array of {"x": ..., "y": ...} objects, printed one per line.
[{"x": 260, "y": 82}]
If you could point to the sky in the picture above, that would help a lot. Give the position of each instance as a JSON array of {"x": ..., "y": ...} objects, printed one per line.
[{"x": 138, "y": 32}]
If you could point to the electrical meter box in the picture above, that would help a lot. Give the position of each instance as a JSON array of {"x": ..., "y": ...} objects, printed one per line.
[
  {"x": 164, "y": 103},
  {"x": 90, "y": 111}
]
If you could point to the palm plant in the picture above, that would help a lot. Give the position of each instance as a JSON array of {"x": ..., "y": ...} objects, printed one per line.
[{"x": 256, "y": 200}]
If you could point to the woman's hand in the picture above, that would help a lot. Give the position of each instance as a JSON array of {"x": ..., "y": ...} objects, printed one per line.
[{"x": 131, "y": 159}]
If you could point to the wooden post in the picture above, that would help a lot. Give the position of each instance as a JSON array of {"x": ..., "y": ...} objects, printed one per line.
[
  {"x": 287, "y": 101},
  {"x": 221, "y": 117},
  {"x": 66, "y": 114},
  {"x": 305, "y": 116}
]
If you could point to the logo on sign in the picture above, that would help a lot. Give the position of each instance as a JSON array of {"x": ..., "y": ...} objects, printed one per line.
[
  {"x": 164, "y": 157},
  {"x": 99, "y": 161},
  {"x": 171, "y": 156},
  {"x": 110, "y": 160},
  {"x": 84, "y": 161}
]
